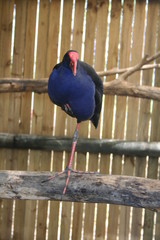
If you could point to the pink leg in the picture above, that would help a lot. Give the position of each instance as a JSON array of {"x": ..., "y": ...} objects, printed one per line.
[{"x": 69, "y": 166}]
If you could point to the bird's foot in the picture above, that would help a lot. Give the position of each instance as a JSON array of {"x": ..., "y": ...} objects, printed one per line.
[
  {"x": 52, "y": 177},
  {"x": 68, "y": 171}
]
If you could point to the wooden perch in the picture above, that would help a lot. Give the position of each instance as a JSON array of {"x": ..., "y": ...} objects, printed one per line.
[
  {"x": 123, "y": 88},
  {"x": 94, "y": 188},
  {"x": 104, "y": 146},
  {"x": 116, "y": 87},
  {"x": 23, "y": 85}
]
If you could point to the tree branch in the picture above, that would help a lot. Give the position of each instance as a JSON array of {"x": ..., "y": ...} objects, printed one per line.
[
  {"x": 115, "y": 71},
  {"x": 23, "y": 85},
  {"x": 134, "y": 69},
  {"x": 95, "y": 188},
  {"x": 143, "y": 65},
  {"x": 124, "y": 88},
  {"x": 116, "y": 87}
]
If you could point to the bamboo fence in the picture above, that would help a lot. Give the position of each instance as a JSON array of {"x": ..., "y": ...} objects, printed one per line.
[{"x": 34, "y": 35}]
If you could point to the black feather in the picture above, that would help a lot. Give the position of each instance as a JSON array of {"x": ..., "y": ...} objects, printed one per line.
[{"x": 98, "y": 93}]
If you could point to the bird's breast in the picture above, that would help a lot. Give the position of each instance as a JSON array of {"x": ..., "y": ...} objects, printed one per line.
[{"x": 78, "y": 91}]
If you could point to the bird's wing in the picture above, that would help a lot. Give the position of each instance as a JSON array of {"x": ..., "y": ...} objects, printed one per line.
[
  {"x": 94, "y": 76},
  {"x": 98, "y": 91}
]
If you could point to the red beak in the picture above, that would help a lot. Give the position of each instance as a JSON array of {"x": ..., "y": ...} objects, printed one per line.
[
  {"x": 74, "y": 68},
  {"x": 74, "y": 58}
]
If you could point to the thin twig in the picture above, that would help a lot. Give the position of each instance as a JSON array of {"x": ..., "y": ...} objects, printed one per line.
[
  {"x": 146, "y": 59},
  {"x": 115, "y": 71},
  {"x": 152, "y": 58},
  {"x": 145, "y": 66},
  {"x": 135, "y": 68}
]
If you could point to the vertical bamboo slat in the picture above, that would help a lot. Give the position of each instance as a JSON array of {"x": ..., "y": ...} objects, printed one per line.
[
  {"x": 6, "y": 13},
  {"x": 42, "y": 114},
  {"x": 88, "y": 57},
  {"x": 81, "y": 162},
  {"x": 61, "y": 116},
  {"x": 101, "y": 34},
  {"x": 155, "y": 129},
  {"x": 20, "y": 124},
  {"x": 142, "y": 133},
  {"x": 109, "y": 100},
  {"x": 116, "y": 213},
  {"x": 53, "y": 31},
  {"x": 136, "y": 56},
  {"x": 28, "y": 72},
  {"x": 122, "y": 108},
  {"x": 150, "y": 48}
]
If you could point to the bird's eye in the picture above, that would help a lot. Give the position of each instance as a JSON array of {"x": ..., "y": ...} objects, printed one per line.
[{"x": 71, "y": 64}]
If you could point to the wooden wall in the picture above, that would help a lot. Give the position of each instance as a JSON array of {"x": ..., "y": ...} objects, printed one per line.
[{"x": 34, "y": 35}]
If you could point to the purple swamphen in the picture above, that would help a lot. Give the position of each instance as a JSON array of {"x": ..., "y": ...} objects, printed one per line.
[{"x": 77, "y": 89}]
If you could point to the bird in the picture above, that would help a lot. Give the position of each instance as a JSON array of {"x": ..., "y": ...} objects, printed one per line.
[{"x": 74, "y": 86}]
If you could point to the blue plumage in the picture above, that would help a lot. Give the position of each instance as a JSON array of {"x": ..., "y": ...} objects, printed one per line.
[{"x": 79, "y": 95}]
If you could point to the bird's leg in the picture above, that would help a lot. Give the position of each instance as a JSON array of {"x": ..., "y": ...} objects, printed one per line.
[{"x": 69, "y": 166}]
